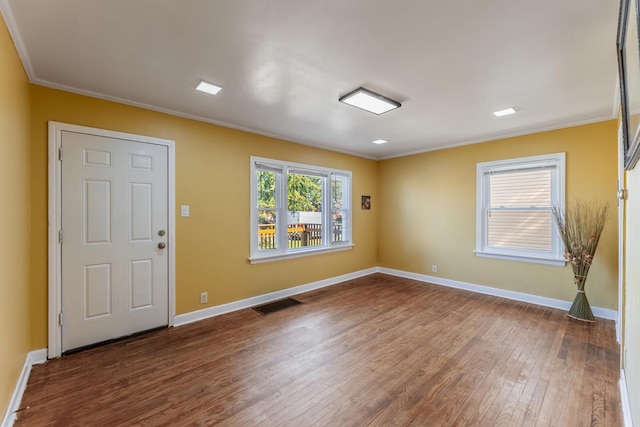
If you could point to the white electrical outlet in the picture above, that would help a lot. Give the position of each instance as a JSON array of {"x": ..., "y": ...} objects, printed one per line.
[
  {"x": 204, "y": 296},
  {"x": 434, "y": 268}
]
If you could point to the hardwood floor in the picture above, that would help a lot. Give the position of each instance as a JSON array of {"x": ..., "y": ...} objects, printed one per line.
[{"x": 379, "y": 350}]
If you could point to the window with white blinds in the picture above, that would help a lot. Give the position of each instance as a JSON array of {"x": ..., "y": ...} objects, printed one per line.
[{"x": 514, "y": 201}]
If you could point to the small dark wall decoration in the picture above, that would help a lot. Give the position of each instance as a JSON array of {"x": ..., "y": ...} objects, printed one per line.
[{"x": 366, "y": 203}]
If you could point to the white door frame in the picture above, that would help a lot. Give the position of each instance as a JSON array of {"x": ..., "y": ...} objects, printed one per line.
[
  {"x": 55, "y": 222},
  {"x": 621, "y": 234}
]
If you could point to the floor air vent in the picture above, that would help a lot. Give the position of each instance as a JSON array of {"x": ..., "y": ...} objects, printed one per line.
[{"x": 272, "y": 307}]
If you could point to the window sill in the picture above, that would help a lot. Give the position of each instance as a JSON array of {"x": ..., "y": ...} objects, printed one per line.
[
  {"x": 297, "y": 254},
  {"x": 510, "y": 257}
]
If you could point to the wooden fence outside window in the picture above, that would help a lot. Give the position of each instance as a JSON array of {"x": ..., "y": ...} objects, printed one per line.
[{"x": 299, "y": 235}]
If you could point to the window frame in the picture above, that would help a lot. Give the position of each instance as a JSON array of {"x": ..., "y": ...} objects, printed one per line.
[
  {"x": 282, "y": 169},
  {"x": 556, "y": 162}
]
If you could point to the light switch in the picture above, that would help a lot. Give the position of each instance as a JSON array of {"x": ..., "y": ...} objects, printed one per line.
[{"x": 184, "y": 210}]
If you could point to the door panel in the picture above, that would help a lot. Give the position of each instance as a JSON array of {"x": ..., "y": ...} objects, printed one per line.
[
  {"x": 141, "y": 283},
  {"x": 114, "y": 203},
  {"x": 141, "y": 206},
  {"x": 97, "y": 290},
  {"x": 96, "y": 212}
]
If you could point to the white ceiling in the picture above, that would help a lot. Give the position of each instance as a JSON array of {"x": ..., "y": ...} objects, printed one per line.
[{"x": 283, "y": 64}]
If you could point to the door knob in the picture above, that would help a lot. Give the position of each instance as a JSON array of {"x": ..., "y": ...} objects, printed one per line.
[{"x": 162, "y": 245}]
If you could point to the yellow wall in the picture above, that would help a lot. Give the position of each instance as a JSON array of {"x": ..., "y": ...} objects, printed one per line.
[
  {"x": 631, "y": 323},
  {"x": 212, "y": 176},
  {"x": 428, "y": 212},
  {"x": 14, "y": 217}
]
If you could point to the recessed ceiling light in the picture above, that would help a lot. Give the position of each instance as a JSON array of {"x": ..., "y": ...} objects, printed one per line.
[
  {"x": 369, "y": 101},
  {"x": 504, "y": 112},
  {"x": 208, "y": 87},
  {"x": 380, "y": 141}
]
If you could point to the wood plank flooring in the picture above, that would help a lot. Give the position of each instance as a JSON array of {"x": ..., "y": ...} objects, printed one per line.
[{"x": 379, "y": 350}]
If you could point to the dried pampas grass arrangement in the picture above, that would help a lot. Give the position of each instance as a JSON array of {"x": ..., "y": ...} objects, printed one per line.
[{"x": 580, "y": 228}]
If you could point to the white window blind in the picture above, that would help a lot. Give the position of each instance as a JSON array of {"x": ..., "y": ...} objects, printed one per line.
[{"x": 520, "y": 210}]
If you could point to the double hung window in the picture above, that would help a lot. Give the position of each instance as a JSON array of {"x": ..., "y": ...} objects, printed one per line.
[{"x": 514, "y": 208}]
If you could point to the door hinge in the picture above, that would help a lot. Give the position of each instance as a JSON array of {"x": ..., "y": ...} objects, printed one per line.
[
  {"x": 60, "y": 236},
  {"x": 622, "y": 194},
  {"x": 60, "y": 154},
  {"x": 60, "y": 319}
]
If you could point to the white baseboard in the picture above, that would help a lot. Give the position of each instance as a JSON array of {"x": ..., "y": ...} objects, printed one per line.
[
  {"x": 626, "y": 403},
  {"x": 194, "y": 316},
  {"x": 604, "y": 313},
  {"x": 33, "y": 358}
]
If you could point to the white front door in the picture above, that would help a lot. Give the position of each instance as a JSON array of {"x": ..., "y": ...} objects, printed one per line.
[{"x": 114, "y": 209}]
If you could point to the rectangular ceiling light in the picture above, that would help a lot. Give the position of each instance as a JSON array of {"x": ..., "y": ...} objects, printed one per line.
[
  {"x": 380, "y": 141},
  {"x": 504, "y": 112},
  {"x": 369, "y": 101},
  {"x": 208, "y": 87}
]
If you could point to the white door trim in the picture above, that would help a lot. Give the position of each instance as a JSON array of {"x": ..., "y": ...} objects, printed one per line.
[
  {"x": 55, "y": 222},
  {"x": 621, "y": 235}
]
